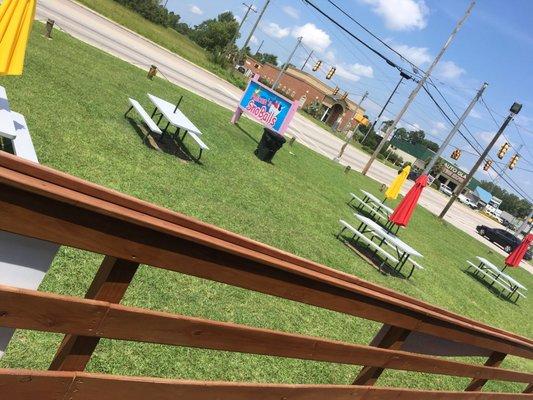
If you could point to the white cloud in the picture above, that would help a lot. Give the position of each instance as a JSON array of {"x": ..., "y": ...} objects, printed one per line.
[
  {"x": 400, "y": 15},
  {"x": 449, "y": 70},
  {"x": 195, "y": 9},
  {"x": 363, "y": 70},
  {"x": 291, "y": 12},
  {"x": 417, "y": 55},
  {"x": 253, "y": 40},
  {"x": 438, "y": 127},
  {"x": 274, "y": 30},
  {"x": 330, "y": 56},
  {"x": 345, "y": 73},
  {"x": 313, "y": 37},
  {"x": 354, "y": 72}
]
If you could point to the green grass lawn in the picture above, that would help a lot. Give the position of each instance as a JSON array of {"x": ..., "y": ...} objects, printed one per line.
[
  {"x": 74, "y": 98},
  {"x": 166, "y": 37}
]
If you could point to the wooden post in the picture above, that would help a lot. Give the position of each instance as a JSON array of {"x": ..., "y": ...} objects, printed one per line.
[
  {"x": 393, "y": 339},
  {"x": 494, "y": 360},
  {"x": 48, "y": 28},
  {"x": 152, "y": 72},
  {"x": 109, "y": 284}
]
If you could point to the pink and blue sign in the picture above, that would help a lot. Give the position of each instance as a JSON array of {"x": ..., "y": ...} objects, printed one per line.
[{"x": 266, "y": 106}]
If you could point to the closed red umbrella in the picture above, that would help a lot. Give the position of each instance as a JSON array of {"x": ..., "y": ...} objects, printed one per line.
[
  {"x": 402, "y": 213},
  {"x": 516, "y": 256}
]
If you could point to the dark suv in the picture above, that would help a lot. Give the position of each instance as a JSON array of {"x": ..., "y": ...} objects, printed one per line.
[{"x": 505, "y": 239}]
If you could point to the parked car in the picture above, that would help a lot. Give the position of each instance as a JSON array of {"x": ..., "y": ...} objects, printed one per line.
[
  {"x": 446, "y": 190},
  {"x": 465, "y": 200},
  {"x": 500, "y": 236}
]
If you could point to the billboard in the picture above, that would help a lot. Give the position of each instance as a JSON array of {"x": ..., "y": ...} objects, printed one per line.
[{"x": 266, "y": 106}]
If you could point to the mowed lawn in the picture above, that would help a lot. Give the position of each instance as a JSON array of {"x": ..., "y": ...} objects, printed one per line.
[{"x": 74, "y": 98}]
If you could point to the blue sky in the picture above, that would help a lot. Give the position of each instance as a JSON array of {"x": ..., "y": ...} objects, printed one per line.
[{"x": 495, "y": 45}]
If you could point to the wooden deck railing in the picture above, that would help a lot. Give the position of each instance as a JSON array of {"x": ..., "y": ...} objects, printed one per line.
[{"x": 42, "y": 203}]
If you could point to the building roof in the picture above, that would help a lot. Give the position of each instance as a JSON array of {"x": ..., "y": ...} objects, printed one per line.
[
  {"x": 417, "y": 150},
  {"x": 482, "y": 195}
]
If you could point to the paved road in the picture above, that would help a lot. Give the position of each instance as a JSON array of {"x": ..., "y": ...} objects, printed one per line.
[{"x": 98, "y": 31}]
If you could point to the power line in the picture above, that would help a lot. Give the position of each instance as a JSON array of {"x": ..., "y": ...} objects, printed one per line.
[{"x": 512, "y": 185}]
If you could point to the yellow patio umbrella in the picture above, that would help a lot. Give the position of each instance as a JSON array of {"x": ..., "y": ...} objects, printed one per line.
[
  {"x": 16, "y": 19},
  {"x": 394, "y": 189}
]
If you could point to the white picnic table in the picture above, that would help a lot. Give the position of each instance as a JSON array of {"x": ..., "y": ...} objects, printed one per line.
[
  {"x": 7, "y": 127},
  {"x": 176, "y": 118},
  {"x": 372, "y": 203},
  {"x": 495, "y": 275},
  {"x": 404, "y": 252},
  {"x": 173, "y": 115}
]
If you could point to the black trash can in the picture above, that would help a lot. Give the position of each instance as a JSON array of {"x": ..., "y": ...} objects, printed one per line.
[{"x": 269, "y": 144}]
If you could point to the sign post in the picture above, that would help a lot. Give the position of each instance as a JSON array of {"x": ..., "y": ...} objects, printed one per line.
[{"x": 266, "y": 106}]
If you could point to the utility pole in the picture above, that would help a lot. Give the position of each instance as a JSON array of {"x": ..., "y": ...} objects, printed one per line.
[
  {"x": 454, "y": 130},
  {"x": 414, "y": 93},
  {"x": 515, "y": 109},
  {"x": 349, "y": 135},
  {"x": 286, "y": 65},
  {"x": 254, "y": 28},
  {"x": 260, "y": 46},
  {"x": 307, "y": 60},
  {"x": 403, "y": 76},
  {"x": 248, "y": 9}
]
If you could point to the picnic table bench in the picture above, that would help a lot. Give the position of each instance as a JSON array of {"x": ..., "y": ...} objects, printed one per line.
[
  {"x": 375, "y": 208},
  {"x": 24, "y": 261},
  {"x": 176, "y": 118},
  {"x": 173, "y": 115},
  {"x": 486, "y": 269},
  {"x": 404, "y": 252}
]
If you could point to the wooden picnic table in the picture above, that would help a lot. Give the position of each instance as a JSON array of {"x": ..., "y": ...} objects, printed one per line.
[{"x": 368, "y": 227}]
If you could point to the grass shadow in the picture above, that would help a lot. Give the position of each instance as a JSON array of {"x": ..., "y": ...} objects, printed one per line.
[
  {"x": 167, "y": 143},
  {"x": 368, "y": 255},
  {"x": 491, "y": 288},
  {"x": 247, "y": 134}
]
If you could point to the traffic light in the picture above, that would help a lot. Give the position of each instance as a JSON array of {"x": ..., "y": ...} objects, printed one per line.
[
  {"x": 487, "y": 165},
  {"x": 331, "y": 73},
  {"x": 456, "y": 154},
  {"x": 317, "y": 65},
  {"x": 336, "y": 91},
  {"x": 503, "y": 150},
  {"x": 513, "y": 161}
]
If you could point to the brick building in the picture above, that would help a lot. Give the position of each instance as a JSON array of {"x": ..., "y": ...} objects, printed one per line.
[{"x": 337, "y": 110}]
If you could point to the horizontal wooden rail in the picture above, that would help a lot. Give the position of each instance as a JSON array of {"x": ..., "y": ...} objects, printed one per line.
[
  {"x": 34, "y": 310},
  {"x": 32, "y": 385},
  {"x": 33, "y": 207},
  {"x": 52, "y": 176}
]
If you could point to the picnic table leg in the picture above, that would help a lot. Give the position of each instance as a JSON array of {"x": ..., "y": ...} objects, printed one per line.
[
  {"x": 166, "y": 127},
  {"x": 127, "y": 112},
  {"x": 494, "y": 360},
  {"x": 341, "y": 232},
  {"x": 393, "y": 339},
  {"x": 155, "y": 110}
]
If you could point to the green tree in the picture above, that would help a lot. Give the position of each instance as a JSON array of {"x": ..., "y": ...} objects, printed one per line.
[
  {"x": 510, "y": 202},
  {"x": 215, "y": 34},
  {"x": 267, "y": 58}
]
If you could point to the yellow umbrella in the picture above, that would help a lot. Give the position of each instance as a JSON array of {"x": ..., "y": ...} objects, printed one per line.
[
  {"x": 394, "y": 189},
  {"x": 16, "y": 19}
]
